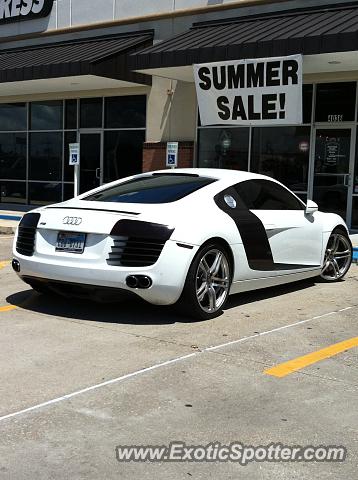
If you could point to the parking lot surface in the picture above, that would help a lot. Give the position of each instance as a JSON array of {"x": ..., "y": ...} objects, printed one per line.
[{"x": 79, "y": 379}]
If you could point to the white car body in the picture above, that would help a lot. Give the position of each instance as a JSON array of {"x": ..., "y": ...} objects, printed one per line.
[{"x": 297, "y": 240}]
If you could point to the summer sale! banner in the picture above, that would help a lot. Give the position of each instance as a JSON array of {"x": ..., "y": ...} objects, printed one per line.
[{"x": 264, "y": 91}]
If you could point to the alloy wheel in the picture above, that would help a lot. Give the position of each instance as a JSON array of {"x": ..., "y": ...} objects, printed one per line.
[
  {"x": 212, "y": 280},
  {"x": 338, "y": 257}
]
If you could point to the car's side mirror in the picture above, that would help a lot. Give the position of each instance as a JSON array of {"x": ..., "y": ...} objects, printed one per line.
[{"x": 311, "y": 207}]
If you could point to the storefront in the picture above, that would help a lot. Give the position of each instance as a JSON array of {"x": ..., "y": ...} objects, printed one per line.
[
  {"x": 35, "y": 138},
  {"x": 315, "y": 158},
  {"x": 119, "y": 81}
]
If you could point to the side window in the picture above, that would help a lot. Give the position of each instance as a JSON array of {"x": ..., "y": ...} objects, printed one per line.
[{"x": 266, "y": 195}]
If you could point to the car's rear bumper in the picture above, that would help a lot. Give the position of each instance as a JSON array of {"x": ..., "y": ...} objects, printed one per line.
[
  {"x": 95, "y": 293},
  {"x": 168, "y": 274}
]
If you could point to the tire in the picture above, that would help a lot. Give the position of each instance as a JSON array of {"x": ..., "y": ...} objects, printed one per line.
[
  {"x": 338, "y": 256},
  {"x": 203, "y": 298}
]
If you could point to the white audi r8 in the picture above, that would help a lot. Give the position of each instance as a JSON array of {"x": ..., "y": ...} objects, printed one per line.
[{"x": 189, "y": 237}]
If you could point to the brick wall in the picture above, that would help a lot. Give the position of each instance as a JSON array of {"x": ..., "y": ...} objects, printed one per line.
[{"x": 154, "y": 155}]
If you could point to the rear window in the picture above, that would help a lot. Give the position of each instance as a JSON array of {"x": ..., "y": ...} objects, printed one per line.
[{"x": 157, "y": 188}]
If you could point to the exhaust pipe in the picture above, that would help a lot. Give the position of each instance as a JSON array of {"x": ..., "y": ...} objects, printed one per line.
[
  {"x": 132, "y": 281},
  {"x": 139, "y": 281},
  {"x": 145, "y": 282}
]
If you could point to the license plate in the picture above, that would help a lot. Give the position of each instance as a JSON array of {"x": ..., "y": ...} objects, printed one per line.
[{"x": 71, "y": 242}]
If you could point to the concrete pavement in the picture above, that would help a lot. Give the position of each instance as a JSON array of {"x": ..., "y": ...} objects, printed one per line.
[{"x": 50, "y": 347}]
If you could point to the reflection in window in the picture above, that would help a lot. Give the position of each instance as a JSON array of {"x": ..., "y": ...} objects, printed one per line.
[
  {"x": 46, "y": 156},
  {"x": 335, "y": 102},
  {"x": 282, "y": 153},
  {"x": 307, "y": 94},
  {"x": 71, "y": 114},
  {"x": 123, "y": 154},
  {"x": 68, "y": 191},
  {"x": 44, "y": 193},
  {"x": 355, "y": 182},
  {"x": 12, "y": 192},
  {"x": 13, "y": 155},
  {"x": 125, "y": 112},
  {"x": 13, "y": 116},
  {"x": 46, "y": 115},
  {"x": 355, "y": 213},
  {"x": 223, "y": 148},
  {"x": 91, "y": 112}
]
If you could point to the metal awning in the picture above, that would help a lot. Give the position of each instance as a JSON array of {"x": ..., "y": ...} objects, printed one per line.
[
  {"x": 102, "y": 57},
  {"x": 308, "y": 31}
]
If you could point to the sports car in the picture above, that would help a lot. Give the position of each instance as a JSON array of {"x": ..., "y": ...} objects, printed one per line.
[{"x": 188, "y": 237}]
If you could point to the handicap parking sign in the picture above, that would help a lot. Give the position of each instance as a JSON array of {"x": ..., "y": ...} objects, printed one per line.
[
  {"x": 74, "y": 153},
  {"x": 172, "y": 154},
  {"x": 171, "y": 159}
]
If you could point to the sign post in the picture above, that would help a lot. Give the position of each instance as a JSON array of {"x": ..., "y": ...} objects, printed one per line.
[
  {"x": 75, "y": 161},
  {"x": 172, "y": 154}
]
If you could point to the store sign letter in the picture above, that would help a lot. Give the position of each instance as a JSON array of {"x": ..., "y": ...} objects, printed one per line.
[
  {"x": 265, "y": 91},
  {"x": 18, "y": 10}
]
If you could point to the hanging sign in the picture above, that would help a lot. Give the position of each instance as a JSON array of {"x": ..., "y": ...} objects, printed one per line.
[{"x": 265, "y": 91}]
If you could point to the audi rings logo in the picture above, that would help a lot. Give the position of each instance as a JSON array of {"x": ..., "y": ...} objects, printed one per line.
[{"x": 72, "y": 221}]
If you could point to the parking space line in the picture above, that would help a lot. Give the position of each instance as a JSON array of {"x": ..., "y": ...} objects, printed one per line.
[
  {"x": 284, "y": 369},
  {"x": 4, "y": 264},
  {"x": 166, "y": 363},
  {"x": 8, "y": 308}
]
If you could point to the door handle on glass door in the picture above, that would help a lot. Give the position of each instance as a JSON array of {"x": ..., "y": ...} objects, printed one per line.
[
  {"x": 98, "y": 173},
  {"x": 347, "y": 180}
]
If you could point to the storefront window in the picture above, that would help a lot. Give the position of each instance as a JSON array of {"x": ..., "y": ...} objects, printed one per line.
[
  {"x": 68, "y": 191},
  {"x": 13, "y": 155},
  {"x": 123, "y": 154},
  {"x": 223, "y": 148},
  {"x": 355, "y": 213},
  {"x": 307, "y": 95},
  {"x": 71, "y": 114},
  {"x": 46, "y": 156},
  {"x": 44, "y": 193},
  {"x": 125, "y": 112},
  {"x": 12, "y": 192},
  {"x": 46, "y": 115},
  {"x": 282, "y": 153},
  {"x": 335, "y": 102},
  {"x": 91, "y": 112},
  {"x": 13, "y": 117}
]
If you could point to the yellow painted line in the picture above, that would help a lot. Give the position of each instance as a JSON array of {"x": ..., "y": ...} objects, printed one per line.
[
  {"x": 4, "y": 264},
  {"x": 286, "y": 368},
  {"x": 8, "y": 308}
]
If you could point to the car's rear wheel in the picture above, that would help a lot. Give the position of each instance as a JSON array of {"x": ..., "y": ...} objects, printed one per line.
[
  {"x": 208, "y": 283},
  {"x": 338, "y": 256}
]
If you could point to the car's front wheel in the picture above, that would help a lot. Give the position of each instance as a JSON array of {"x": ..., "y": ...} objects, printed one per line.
[
  {"x": 338, "y": 256},
  {"x": 208, "y": 283}
]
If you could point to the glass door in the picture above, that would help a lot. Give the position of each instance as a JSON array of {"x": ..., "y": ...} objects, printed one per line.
[
  {"x": 91, "y": 161},
  {"x": 332, "y": 170}
]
